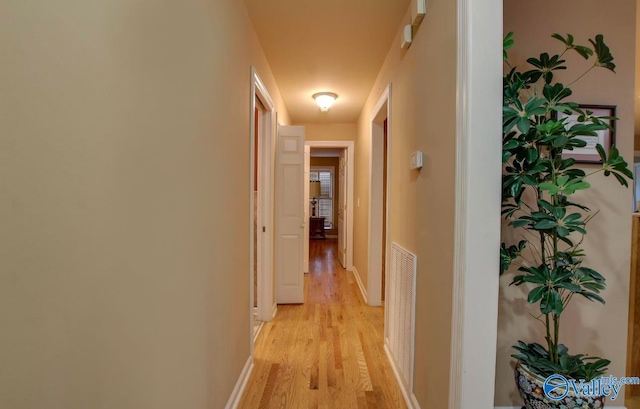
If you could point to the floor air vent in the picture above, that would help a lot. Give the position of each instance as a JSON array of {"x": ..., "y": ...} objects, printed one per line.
[{"x": 401, "y": 312}]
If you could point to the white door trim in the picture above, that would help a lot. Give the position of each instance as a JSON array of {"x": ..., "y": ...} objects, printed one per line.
[
  {"x": 265, "y": 201},
  {"x": 350, "y": 147},
  {"x": 477, "y": 217},
  {"x": 381, "y": 112},
  {"x": 307, "y": 167}
]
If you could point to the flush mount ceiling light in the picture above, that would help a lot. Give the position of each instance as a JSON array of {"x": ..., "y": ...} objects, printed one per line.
[{"x": 325, "y": 100}]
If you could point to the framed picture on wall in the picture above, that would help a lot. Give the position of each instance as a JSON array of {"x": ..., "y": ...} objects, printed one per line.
[{"x": 606, "y": 137}]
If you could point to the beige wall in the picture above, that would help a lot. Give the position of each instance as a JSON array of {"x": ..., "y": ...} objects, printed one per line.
[
  {"x": 587, "y": 327},
  {"x": 422, "y": 202},
  {"x": 331, "y": 132},
  {"x": 332, "y": 163},
  {"x": 123, "y": 277}
]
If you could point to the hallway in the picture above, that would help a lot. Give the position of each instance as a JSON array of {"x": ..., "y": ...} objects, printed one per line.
[{"x": 327, "y": 353}]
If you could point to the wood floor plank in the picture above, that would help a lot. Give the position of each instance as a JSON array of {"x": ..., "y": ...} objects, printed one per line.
[
  {"x": 331, "y": 361},
  {"x": 268, "y": 390},
  {"x": 362, "y": 401},
  {"x": 327, "y": 353},
  {"x": 314, "y": 382},
  {"x": 372, "y": 399},
  {"x": 313, "y": 399},
  {"x": 337, "y": 348},
  {"x": 365, "y": 379}
]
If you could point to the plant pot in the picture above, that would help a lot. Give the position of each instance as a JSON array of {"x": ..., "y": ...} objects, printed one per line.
[{"x": 531, "y": 387}]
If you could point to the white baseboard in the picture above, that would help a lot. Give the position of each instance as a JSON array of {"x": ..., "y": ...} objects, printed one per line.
[
  {"x": 256, "y": 333},
  {"x": 241, "y": 384},
  {"x": 362, "y": 290},
  {"x": 411, "y": 401},
  {"x": 274, "y": 310},
  {"x": 414, "y": 402},
  {"x": 520, "y": 407}
]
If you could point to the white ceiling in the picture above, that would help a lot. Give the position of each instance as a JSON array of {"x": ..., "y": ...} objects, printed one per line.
[{"x": 330, "y": 45}]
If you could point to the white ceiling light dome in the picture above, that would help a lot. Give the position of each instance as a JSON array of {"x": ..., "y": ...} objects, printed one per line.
[{"x": 325, "y": 100}]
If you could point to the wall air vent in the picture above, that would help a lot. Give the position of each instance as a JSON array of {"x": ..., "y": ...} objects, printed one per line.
[{"x": 401, "y": 306}]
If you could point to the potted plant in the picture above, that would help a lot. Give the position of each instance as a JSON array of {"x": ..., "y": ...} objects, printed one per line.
[{"x": 538, "y": 201}]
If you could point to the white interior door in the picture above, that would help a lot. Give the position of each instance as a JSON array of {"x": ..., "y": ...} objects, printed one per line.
[
  {"x": 307, "y": 169},
  {"x": 290, "y": 215},
  {"x": 342, "y": 209}
]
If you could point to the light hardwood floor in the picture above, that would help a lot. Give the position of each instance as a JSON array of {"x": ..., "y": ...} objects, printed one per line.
[{"x": 328, "y": 352}]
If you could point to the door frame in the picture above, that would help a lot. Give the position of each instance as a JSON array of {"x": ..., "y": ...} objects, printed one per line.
[
  {"x": 475, "y": 295},
  {"x": 267, "y": 133},
  {"x": 307, "y": 165},
  {"x": 350, "y": 148},
  {"x": 375, "y": 240}
]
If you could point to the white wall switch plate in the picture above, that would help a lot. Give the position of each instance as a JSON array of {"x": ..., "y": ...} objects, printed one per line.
[
  {"x": 416, "y": 161},
  {"x": 407, "y": 37}
]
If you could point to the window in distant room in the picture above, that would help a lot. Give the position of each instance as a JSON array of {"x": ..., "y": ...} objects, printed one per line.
[{"x": 325, "y": 201}]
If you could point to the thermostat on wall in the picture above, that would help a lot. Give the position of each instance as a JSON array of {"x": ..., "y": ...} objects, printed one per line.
[{"x": 416, "y": 160}]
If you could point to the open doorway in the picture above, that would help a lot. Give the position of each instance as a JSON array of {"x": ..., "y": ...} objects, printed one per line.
[
  {"x": 327, "y": 201},
  {"x": 256, "y": 118},
  {"x": 262, "y": 130},
  {"x": 324, "y": 194},
  {"x": 379, "y": 192},
  {"x": 258, "y": 134},
  {"x": 329, "y": 175}
]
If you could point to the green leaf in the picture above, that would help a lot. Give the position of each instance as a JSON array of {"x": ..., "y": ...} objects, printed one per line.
[
  {"x": 546, "y": 205},
  {"x": 552, "y": 188},
  {"x": 535, "y": 295},
  {"x": 613, "y": 153},
  {"x": 585, "y": 52},
  {"x": 545, "y": 225},
  {"x": 519, "y": 222},
  {"x": 601, "y": 152},
  {"x": 546, "y": 65},
  {"x": 555, "y": 93},
  {"x": 507, "y": 43},
  {"x": 511, "y": 144},
  {"x": 509, "y": 254},
  {"x": 532, "y": 155},
  {"x": 593, "y": 297},
  {"x": 615, "y": 165},
  {"x": 535, "y": 106},
  {"x": 523, "y": 124},
  {"x": 568, "y": 41},
  {"x": 551, "y": 303},
  {"x": 621, "y": 180},
  {"x": 571, "y": 287},
  {"x": 580, "y": 186},
  {"x": 572, "y": 217},
  {"x": 604, "y": 57}
]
